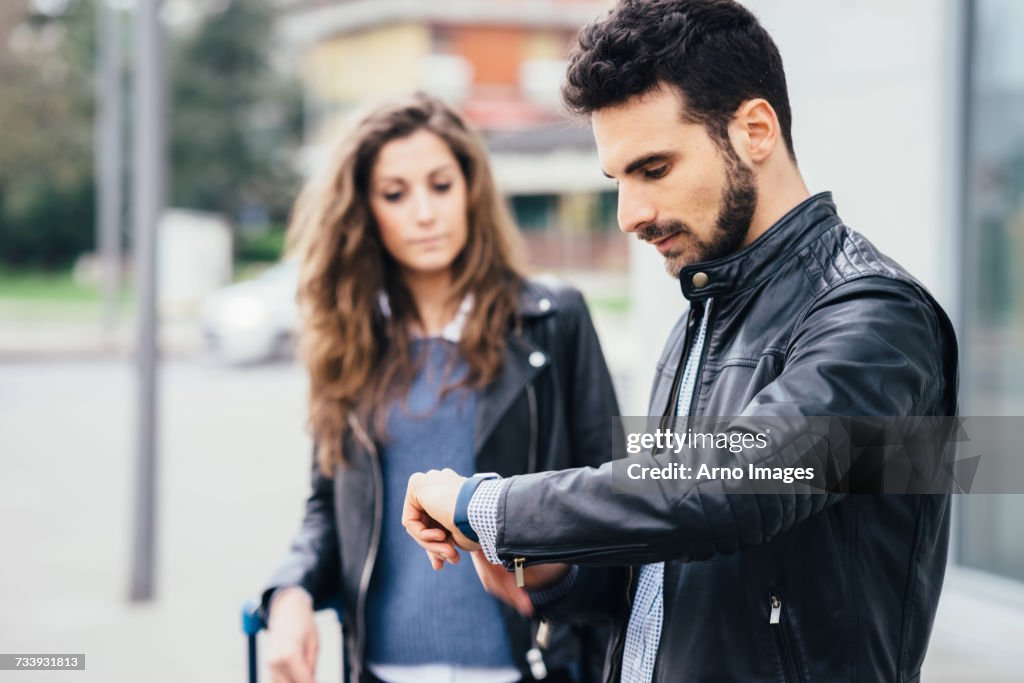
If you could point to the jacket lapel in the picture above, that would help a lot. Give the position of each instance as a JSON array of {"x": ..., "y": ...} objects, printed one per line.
[{"x": 522, "y": 362}]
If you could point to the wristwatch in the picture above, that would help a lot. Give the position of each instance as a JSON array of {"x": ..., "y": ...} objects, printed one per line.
[{"x": 469, "y": 487}]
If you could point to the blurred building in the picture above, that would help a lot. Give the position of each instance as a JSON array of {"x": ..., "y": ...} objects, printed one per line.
[{"x": 501, "y": 63}]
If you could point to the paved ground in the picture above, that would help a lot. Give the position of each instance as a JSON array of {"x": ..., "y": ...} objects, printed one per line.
[{"x": 233, "y": 467}]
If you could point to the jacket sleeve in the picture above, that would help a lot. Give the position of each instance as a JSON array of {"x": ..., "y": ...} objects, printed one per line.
[
  {"x": 590, "y": 396},
  {"x": 869, "y": 347},
  {"x": 312, "y": 561}
]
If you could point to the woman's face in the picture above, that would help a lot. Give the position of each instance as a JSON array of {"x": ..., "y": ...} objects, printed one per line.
[{"x": 418, "y": 197}]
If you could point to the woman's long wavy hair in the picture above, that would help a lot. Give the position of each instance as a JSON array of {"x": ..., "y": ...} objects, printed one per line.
[{"x": 358, "y": 358}]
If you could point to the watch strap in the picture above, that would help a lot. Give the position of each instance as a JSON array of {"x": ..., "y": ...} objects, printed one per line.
[{"x": 462, "y": 501}]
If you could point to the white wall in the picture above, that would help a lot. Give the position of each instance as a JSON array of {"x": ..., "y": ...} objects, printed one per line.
[{"x": 872, "y": 85}]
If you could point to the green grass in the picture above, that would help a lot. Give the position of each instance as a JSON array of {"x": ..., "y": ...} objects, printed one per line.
[
  {"x": 618, "y": 304},
  {"x": 247, "y": 270},
  {"x": 32, "y": 295},
  {"x": 43, "y": 286}
]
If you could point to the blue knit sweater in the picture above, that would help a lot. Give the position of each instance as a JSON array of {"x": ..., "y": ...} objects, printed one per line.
[{"x": 414, "y": 614}]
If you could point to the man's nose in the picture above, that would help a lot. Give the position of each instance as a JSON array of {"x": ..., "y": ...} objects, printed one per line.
[{"x": 634, "y": 211}]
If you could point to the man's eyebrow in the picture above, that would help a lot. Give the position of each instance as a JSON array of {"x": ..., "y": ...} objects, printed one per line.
[{"x": 640, "y": 162}]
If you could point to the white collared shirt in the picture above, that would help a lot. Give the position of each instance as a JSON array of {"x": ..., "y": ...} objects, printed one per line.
[{"x": 452, "y": 331}]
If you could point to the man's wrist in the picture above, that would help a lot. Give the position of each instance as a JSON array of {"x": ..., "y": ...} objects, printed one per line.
[
  {"x": 483, "y": 514},
  {"x": 462, "y": 501}
]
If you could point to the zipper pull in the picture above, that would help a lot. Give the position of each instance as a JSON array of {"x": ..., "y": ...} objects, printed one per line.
[
  {"x": 519, "y": 562},
  {"x": 543, "y": 634},
  {"x": 776, "y": 610}
]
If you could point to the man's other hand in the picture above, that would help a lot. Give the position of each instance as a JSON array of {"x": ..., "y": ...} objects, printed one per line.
[{"x": 501, "y": 583}]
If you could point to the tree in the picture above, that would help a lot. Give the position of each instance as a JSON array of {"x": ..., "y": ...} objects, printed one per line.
[
  {"x": 46, "y": 195},
  {"x": 234, "y": 124}
]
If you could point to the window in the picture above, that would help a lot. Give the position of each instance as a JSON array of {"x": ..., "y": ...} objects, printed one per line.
[
  {"x": 992, "y": 375},
  {"x": 534, "y": 213}
]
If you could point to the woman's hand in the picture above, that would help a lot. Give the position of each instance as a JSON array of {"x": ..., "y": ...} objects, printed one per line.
[{"x": 293, "y": 640}]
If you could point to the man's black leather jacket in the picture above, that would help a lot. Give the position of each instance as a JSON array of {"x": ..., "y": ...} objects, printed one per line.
[
  {"x": 548, "y": 410},
  {"x": 810, "y": 319}
]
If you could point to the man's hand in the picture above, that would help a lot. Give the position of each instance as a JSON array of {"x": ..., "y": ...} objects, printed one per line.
[
  {"x": 293, "y": 638},
  {"x": 429, "y": 513},
  {"x": 501, "y": 583}
]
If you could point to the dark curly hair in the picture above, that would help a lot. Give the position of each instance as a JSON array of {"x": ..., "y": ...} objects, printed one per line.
[{"x": 714, "y": 51}]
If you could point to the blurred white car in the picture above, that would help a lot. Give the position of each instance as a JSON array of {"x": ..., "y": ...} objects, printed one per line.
[{"x": 254, "y": 320}]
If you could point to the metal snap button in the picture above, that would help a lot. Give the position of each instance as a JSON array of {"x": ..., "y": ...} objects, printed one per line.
[
  {"x": 700, "y": 280},
  {"x": 537, "y": 359},
  {"x": 544, "y": 304}
]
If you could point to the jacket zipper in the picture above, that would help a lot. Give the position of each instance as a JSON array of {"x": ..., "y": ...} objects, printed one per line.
[
  {"x": 782, "y": 638},
  {"x": 671, "y": 413},
  {"x": 534, "y": 657},
  {"x": 573, "y": 554},
  {"x": 371, "y": 557},
  {"x": 677, "y": 379}
]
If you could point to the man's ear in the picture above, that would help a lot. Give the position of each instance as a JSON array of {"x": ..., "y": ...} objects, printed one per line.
[{"x": 755, "y": 130}]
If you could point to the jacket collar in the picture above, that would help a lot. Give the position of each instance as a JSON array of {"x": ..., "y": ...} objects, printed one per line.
[{"x": 760, "y": 259}]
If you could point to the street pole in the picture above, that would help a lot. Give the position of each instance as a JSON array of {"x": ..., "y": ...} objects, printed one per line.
[
  {"x": 148, "y": 192},
  {"x": 109, "y": 152}
]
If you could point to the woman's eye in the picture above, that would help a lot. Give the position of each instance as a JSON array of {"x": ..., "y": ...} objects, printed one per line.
[
  {"x": 392, "y": 196},
  {"x": 655, "y": 173},
  {"x": 442, "y": 187}
]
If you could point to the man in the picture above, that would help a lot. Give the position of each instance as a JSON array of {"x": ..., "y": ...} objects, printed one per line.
[{"x": 791, "y": 314}]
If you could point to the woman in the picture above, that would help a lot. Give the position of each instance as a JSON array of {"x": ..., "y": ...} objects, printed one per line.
[{"x": 426, "y": 348}]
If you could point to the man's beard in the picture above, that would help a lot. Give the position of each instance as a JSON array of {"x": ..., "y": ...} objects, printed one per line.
[{"x": 739, "y": 201}]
